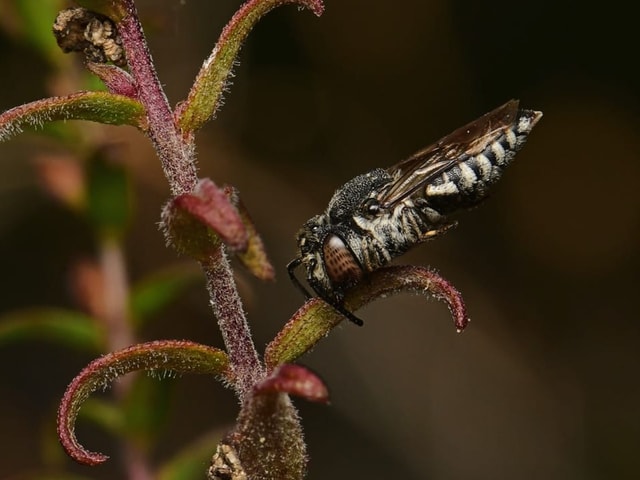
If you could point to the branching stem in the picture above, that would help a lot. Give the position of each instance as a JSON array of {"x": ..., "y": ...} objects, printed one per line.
[{"x": 176, "y": 153}]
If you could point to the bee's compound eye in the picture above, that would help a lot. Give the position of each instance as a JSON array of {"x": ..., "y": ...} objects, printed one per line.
[
  {"x": 371, "y": 206},
  {"x": 340, "y": 264}
]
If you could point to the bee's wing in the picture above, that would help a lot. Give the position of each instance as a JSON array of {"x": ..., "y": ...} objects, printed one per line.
[{"x": 424, "y": 166}]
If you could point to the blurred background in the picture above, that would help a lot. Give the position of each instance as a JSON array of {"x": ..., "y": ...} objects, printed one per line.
[{"x": 542, "y": 384}]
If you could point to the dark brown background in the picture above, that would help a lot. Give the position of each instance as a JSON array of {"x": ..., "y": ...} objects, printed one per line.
[{"x": 543, "y": 384}]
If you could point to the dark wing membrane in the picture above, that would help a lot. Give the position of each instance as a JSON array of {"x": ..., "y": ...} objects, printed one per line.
[{"x": 424, "y": 166}]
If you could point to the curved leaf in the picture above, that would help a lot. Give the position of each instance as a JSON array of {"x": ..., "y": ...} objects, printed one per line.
[
  {"x": 194, "y": 223},
  {"x": 173, "y": 355},
  {"x": 254, "y": 257},
  {"x": 205, "y": 95},
  {"x": 117, "y": 80},
  {"x": 316, "y": 318},
  {"x": 63, "y": 327},
  {"x": 102, "y": 107}
]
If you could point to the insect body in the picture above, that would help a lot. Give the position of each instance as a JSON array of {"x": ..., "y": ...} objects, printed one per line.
[{"x": 378, "y": 216}]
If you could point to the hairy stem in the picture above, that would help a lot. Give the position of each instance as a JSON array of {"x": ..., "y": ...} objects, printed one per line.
[
  {"x": 176, "y": 153},
  {"x": 228, "y": 310}
]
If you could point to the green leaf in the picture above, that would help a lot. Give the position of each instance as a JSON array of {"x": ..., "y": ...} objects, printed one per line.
[
  {"x": 109, "y": 199},
  {"x": 154, "y": 293},
  {"x": 63, "y": 327},
  {"x": 102, "y": 107},
  {"x": 316, "y": 318},
  {"x": 205, "y": 95},
  {"x": 192, "y": 462},
  {"x": 310, "y": 324},
  {"x": 178, "y": 356}
]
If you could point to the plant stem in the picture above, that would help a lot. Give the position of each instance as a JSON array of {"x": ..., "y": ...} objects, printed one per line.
[
  {"x": 176, "y": 152},
  {"x": 228, "y": 310}
]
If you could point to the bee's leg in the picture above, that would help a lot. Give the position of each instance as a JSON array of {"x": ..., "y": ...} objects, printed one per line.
[
  {"x": 335, "y": 299},
  {"x": 439, "y": 230},
  {"x": 350, "y": 316},
  {"x": 330, "y": 299}
]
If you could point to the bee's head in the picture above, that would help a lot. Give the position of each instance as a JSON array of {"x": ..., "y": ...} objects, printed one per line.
[
  {"x": 330, "y": 263},
  {"x": 309, "y": 239},
  {"x": 311, "y": 235}
]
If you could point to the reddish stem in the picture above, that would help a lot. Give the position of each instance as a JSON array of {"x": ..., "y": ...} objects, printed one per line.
[
  {"x": 227, "y": 308},
  {"x": 176, "y": 153}
]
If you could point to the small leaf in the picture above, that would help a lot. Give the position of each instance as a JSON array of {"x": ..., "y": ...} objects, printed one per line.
[
  {"x": 117, "y": 80},
  {"x": 316, "y": 318},
  {"x": 178, "y": 356},
  {"x": 193, "y": 222},
  {"x": 191, "y": 462},
  {"x": 310, "y": 324},
  {"x": 102, "y": 107},
  {"x": 254, "y": 257},
  {"x": 156, "y": 292},
  {"x": 205, "y": 95},
  {"x": 63, "y": 327},
  {"x": 295, "y": 380}
]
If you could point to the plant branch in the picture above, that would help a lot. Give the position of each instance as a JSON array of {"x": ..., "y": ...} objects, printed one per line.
[
  {"x": 228, "y": 310},
  {"x": 176, "y": 154}
]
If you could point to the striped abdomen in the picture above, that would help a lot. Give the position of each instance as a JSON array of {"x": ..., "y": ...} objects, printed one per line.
[{"x": 468, "y": 181}]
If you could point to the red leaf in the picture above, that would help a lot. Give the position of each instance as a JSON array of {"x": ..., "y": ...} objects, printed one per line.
[
  {"x": 173, "y": 355},
  {"x": 295, "y": 380},
  {"x": 189, "y": 219}
]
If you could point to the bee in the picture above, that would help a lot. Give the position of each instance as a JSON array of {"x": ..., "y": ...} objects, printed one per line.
[{"x": 378, "y": 216}]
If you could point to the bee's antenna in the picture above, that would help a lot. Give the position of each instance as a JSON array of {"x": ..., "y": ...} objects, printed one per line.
[{"x": 291, "y": 267}]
